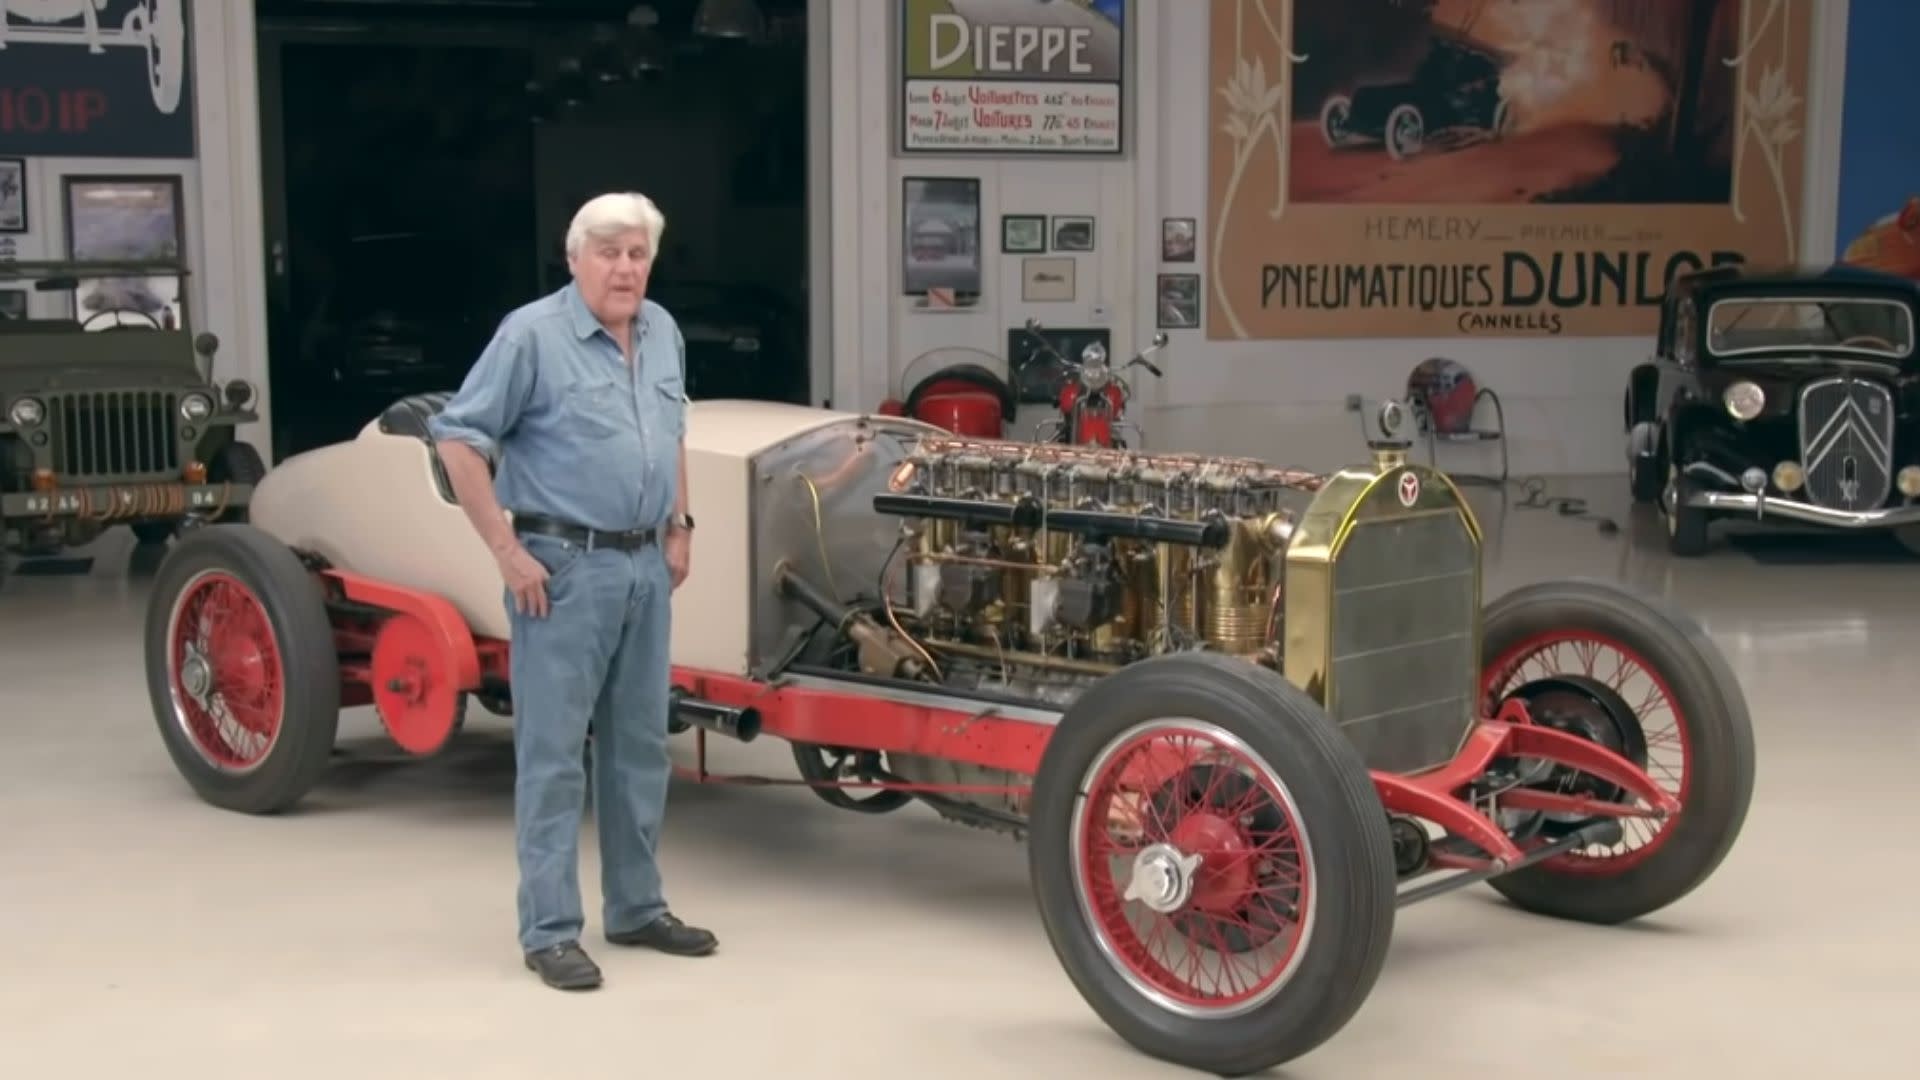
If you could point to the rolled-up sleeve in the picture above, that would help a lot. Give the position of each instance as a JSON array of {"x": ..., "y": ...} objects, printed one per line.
[{"x": 483, "y": 411}]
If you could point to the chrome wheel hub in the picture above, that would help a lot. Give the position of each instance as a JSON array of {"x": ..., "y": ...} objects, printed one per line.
[
  {"x": 196, "y": 676},
  {"x": 1162, "y": 878}
]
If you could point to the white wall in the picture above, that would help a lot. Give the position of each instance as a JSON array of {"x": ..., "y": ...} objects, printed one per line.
[
  {"x": 1280, "y": 400},
  {"x": 878, "y": 332}
]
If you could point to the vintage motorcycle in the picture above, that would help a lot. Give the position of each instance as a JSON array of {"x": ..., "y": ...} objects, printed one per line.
[{"x": 1093, "y": 396}]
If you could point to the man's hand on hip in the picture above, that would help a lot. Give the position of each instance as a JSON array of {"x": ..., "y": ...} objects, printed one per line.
[
  {"x": 526, "y": 579},
  {"x": 679, "y": 554}
]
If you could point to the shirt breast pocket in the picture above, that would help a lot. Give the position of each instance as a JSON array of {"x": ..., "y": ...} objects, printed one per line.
[
  {"x": 596, "y": 408},
  {"x": 671, "y": 400}
]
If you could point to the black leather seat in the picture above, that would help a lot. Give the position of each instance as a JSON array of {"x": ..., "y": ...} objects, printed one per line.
[{"x": 409, "y": 416}]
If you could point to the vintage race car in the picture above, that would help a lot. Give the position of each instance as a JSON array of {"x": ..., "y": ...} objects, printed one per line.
[
  {"x": 1240, "y": 713},
  {"x": 1780, "y": 396}
]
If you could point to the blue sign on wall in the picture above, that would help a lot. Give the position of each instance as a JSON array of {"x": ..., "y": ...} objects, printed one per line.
[
  {"x": 86, "y": 78},
  {"x": 1879, "y": 214}
]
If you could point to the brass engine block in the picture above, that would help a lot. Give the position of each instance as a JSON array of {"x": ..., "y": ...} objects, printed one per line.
[{"x": 1082, "y": 559}]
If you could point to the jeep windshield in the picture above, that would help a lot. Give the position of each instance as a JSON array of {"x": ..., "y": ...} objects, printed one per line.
[
  {"x": 94, "y": 295},
  {"x": 1767, "y": 324}
]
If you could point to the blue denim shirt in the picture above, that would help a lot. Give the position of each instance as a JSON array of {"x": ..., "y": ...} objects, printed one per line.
[{"x": 577, "y": 434}]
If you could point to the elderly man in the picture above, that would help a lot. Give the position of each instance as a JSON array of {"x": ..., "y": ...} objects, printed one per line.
[{"x": 581, "y": 400}]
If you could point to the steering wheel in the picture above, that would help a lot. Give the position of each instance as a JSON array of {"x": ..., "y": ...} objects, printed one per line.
[
  {"x": 1870, "y": 341},
  {"x": 87, "y": 323}
]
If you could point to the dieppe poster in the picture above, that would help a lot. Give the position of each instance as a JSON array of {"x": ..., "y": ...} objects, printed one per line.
[
  {"x": 1012, "y": 76},
  {"x": 1494, "y": 168},
  {"x": 1879, "y": 212}
]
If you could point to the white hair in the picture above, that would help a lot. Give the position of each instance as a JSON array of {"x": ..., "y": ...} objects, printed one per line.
[{"x": 606, "y": 216}]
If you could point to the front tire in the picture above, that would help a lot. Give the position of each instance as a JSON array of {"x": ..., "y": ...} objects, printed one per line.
[
  {"x": 1692, "y": 725},
  {"x": 1298, "y": 860},
  {"x": 1687, "y": 526},
  {"x": 1406, "y": 132},
  {"x": 241, "y": 669}
]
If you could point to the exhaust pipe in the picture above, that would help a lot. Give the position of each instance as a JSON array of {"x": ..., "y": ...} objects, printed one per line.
[{"x": 740, "y": 722}]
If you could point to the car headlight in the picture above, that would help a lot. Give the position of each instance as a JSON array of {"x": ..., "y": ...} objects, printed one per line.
[
  {"x": 1744, "y": 400},
  {"x": 1788, "y": 476},
  {"x": 27, "y": 412},
  {"x": 196, "y": 406},
  {"x": 239, "y": 392}
]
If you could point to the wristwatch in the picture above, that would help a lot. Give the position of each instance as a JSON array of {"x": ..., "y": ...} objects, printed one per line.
[{"x": 681, "y": 521}]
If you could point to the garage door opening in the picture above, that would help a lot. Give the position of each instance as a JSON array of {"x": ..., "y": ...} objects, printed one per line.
[{"x": 421, "y": 162}]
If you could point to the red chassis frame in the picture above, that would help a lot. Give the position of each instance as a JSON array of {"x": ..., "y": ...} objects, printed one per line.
[{"x": 421, "y": 656}]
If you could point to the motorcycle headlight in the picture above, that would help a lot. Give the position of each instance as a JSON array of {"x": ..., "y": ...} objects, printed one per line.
[
  {"x": 196, "y": 407},
  {"x": 1744, "y": 400},
  {"x": 1094, "y": 354},
  {"x": 27, "y": 412}
]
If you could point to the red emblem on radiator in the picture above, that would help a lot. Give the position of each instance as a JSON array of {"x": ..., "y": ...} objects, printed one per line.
[{"x": 1409, "y": 488}]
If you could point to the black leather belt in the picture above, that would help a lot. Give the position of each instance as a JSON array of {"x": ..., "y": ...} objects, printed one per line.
[{"x": 625, "y": 540}]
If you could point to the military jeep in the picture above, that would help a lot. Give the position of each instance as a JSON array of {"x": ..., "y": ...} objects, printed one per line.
[{"x": 111, "y": 415}]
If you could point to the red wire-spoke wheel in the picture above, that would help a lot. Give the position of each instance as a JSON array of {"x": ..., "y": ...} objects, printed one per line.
[
  {"x": 1193, "y": 868},
  {"x": 1638, "y": 677},
  {"x": 1600, "y": 689},
  {"x": 228, "y": 692},
  {"x": 1211, "y": 863},
  {"x": 241, "y": 668}
]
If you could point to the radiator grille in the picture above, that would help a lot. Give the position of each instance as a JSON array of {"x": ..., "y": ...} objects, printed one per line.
[
  {"x": 116, "y": 434},
  {"x": 1404, "y": 664},
  {"x": 1846, "y": 442}
]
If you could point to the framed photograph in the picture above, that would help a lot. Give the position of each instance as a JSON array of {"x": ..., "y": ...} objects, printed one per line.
[
  {"x": 1178, "y": 239},
  {"x": 1023, "y": 234},
  {"x": 1177, "y": 301},
  {"x": 1072, "y": 233},
  {"x": 1047, "y": 280},
  {"x": 13, "y": 195},
  {"x": 940, "y": 238},
  {"x": 126, "y": 218},
  {"x": 13, "y": 304}
]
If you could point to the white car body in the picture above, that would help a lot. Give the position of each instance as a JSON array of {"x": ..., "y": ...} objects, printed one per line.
[{"x": 372, "y": 505}]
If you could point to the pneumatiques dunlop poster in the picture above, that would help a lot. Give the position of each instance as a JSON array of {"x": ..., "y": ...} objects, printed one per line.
[
  {"x": 1494, "y": 168},
  {"x": 1879, "y": 206}
]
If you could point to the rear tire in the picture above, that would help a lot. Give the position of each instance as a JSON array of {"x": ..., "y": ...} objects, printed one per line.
[
  {"x": 237, "y": 630},
  {"x": 1713, "y": 731},
  {"x": 1314, "y": 783}
]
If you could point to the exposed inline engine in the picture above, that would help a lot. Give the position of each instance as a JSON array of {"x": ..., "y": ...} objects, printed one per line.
[{"x": 1033, "y": 569}]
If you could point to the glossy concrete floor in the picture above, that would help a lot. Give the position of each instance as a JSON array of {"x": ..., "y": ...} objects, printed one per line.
[{"x": 371, "y": 935}]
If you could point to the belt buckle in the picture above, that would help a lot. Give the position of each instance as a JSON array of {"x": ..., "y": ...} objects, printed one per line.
[{"x": 591, "y": 535}]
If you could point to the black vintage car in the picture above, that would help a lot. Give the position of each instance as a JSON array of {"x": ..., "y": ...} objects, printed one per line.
[
  {"x": 1456, "y": 87},
  {"x": 1788, "y": 396}
]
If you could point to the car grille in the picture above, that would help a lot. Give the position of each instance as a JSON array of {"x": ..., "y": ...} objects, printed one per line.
[
  {"x": 116, "y": 434},
  {"x": 1846, "y": 442},
  {"x": 1404, "y": 663}
]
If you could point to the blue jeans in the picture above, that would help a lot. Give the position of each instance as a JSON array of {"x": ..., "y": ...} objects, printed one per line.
[{"x": 598, "y": 657}]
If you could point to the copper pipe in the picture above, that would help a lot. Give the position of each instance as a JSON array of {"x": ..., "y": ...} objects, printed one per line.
[
  {"x": 973, "y": 560},
  {"x": 1017, "y": 656}
]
